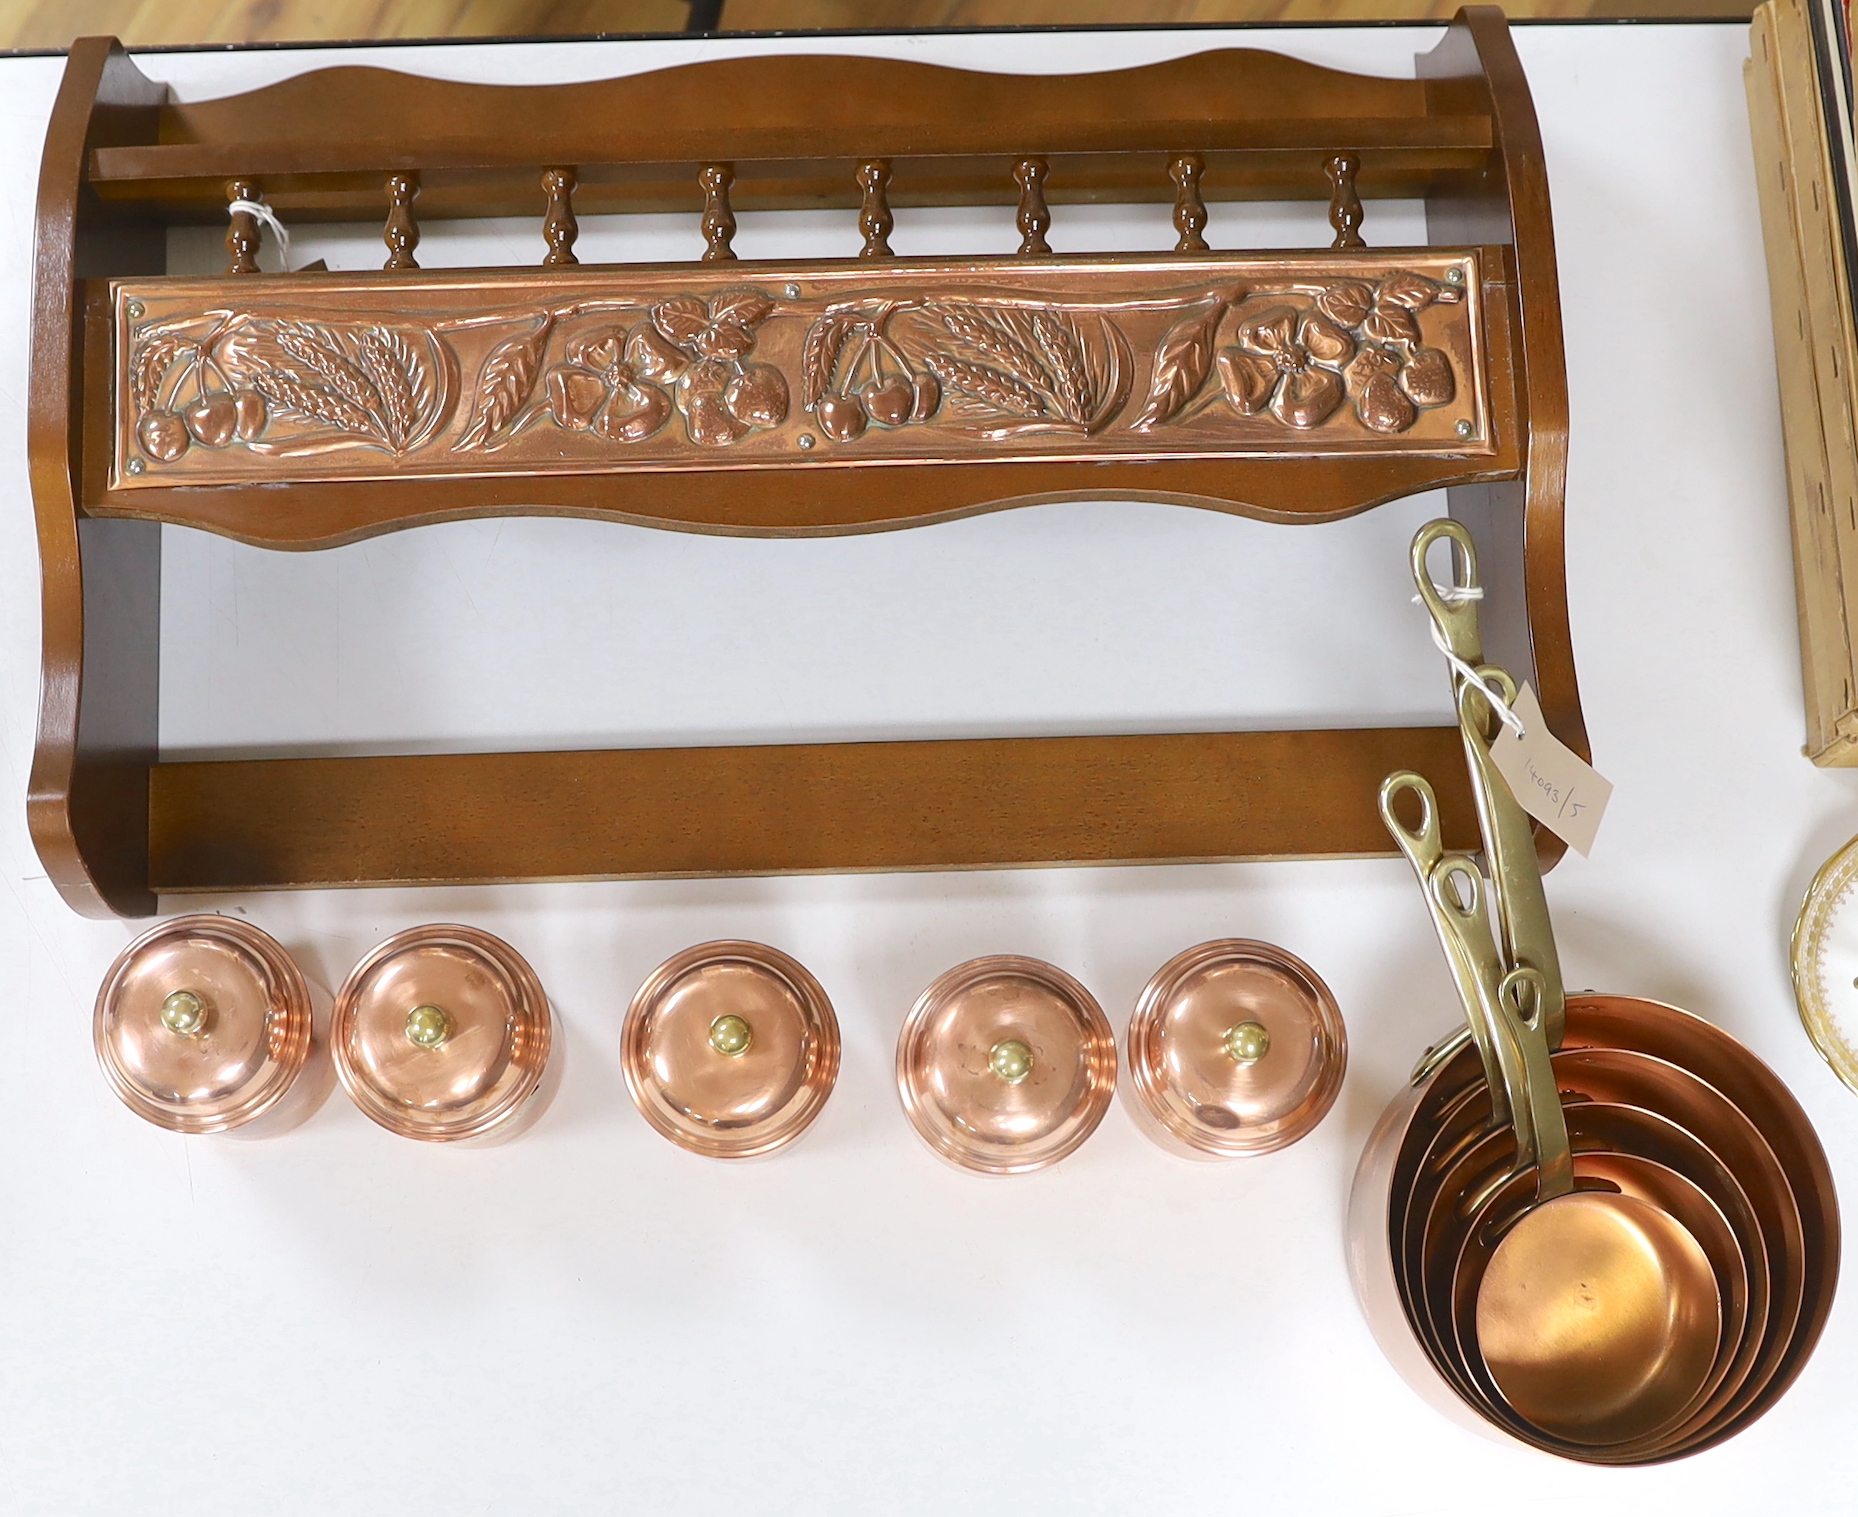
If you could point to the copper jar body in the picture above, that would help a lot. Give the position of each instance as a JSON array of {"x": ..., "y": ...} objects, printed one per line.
[
  {"x": 1005, "y": 1065},
  {"x": 730, "y": 1049},
  {"x": 204, "y": 1025},
  {"x": 1235, "y": 1047},
  {"x": 443, "y": 1033}
]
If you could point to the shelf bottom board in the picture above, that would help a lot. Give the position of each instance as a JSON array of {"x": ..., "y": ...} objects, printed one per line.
[{"x": 789, "y": 809}]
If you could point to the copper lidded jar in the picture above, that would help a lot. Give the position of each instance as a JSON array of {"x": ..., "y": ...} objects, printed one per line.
[
  {"x": 1236, "y": 1047},
  {"x": 203, "y": 1024},
  {"x": 730, "y": 1049},
  {"x": 443, "y": 1033},
  {"x": 1005, "y": 1065}
]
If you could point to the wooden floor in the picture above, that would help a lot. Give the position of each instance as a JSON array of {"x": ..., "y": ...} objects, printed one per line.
[{"x": 41, "y": 24}]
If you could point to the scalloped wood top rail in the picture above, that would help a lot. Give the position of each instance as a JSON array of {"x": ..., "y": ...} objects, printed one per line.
[{"x": 806, "y": 396}]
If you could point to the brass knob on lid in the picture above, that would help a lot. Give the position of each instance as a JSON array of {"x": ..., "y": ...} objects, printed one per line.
[
  {"x": 1235, "y": 1047},
  {"x": 730, "y": 1035},
  {"x": 1011, "y": 1060},
  {"x": 443, "y": 1033},
  {"x": 1246, "y": 1042},
  {"x": 730, "y": 1049},
  {"x": 428, "y": 1025},
  {"x": 183, "y": 1013},
  {"x": 202, "y": 1024}
]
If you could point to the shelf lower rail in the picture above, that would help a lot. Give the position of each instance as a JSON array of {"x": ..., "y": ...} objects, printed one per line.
[{"x": 783, "y": 809}]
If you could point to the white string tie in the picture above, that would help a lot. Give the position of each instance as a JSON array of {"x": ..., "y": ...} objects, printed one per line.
[
  {"x": 1491, "y": 693},
  {"x": 268, "y": 216}
]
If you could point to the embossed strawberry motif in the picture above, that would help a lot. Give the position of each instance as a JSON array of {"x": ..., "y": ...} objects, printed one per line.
[
  {"x": 1290, "y": 362},
  {"x": 1355, "y": 340},
  {"x": 702, "y": 345},
  {"x": 598, "y": 390}
]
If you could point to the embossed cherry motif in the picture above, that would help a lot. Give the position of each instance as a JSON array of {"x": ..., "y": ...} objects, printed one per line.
[{"x": 598, "y": 390}]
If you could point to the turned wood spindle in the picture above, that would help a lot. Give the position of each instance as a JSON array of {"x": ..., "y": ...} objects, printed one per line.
[
  {"x": 1344, "y": 203},
  {"x": 244, "y": 235},
  {"x": 559, "y": 228},
  {"x": 875, "y": 219},
  {"x": 1035, "y": 218},
  {"x": 718, "y": 217},
  {"x": 1189, "y": 207},
  {"x": 401, "y": 233}
]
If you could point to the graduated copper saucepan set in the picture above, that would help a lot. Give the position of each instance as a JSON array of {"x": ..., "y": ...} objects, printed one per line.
[
  {"x": 1593, "y": 1224},
  {"x": 729, "y": 1049}
]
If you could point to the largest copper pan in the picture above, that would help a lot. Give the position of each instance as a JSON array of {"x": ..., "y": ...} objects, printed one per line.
[{"x": 1394, "y": 1150}]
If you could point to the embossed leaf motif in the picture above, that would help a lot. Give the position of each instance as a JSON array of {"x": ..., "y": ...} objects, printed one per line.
[
  {"x": 723, "y": 329},
  {"x": 819, "y": 355},
  {"x": 1389, "y": 324},
  {"x": 1182, "y": 363},
  {"x": 741, "y": 308},
  {"x": 1347, "y": 303},
  {"x": 503, "y": 384},
  {"x": 681, "y": 318},
  {"x": 1412, "y": 292},
  {"x": 150, "y": 367}
]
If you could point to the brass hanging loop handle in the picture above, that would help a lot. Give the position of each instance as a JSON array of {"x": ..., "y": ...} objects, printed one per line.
[
  {"x": 718, "y": 215},
  {"x": 1344, "y": 203},
  {"x": 1035, "y": 218},
  {"x": 559, "y": 228},
  {"x": 1189, "y": 207},
  {"x": 402, "y": 232},
  {"x": 244, "y": 236},
  {"x": 874, "y": 218}
]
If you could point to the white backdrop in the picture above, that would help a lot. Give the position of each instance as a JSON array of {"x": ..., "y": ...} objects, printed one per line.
[{"x": 591, "y": 1320}]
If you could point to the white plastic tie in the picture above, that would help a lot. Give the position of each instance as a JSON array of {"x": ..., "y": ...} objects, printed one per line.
[{"x": 264, "y": 213}]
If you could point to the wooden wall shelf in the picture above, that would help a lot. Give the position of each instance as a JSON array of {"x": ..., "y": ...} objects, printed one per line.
[{"x": 799, "y": 398}]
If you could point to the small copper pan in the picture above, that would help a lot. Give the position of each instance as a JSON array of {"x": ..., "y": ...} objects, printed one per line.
[
  {"x": 443, "y": 1033},
  {"x": 1625, "y": 1077},
  {"x": 1608, "y": 1139},
  {"x": 204, "y": 1025},
  {"x": 730, "y": 1049},
  {"x": 1005, "y": 1065}
]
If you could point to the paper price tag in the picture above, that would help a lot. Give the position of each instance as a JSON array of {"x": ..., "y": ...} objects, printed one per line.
[{"x": 1553, "y": 783}]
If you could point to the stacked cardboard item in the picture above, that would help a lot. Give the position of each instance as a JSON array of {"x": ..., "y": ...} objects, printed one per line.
[{"x": 1799, "y": 98}]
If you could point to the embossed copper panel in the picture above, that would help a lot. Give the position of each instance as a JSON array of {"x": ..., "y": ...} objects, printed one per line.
[
  {"x": 443, "y": 1033},
  {"x": 336, "y": 377},
  {"x": 1235, "y": 1047},
  {"x": 730, "y": 1049},
  {"x": 202, "y": 1024},
  {"x": 1005, "y": 1065}
]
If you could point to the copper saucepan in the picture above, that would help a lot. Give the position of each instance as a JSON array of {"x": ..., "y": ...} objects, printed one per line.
[{"x": 1700, "y": 1114}]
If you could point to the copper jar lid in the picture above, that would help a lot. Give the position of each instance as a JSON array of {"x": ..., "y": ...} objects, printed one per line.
[
  {"x": 202, "y": 1024},
  {"x": 1235, "y": 1047},
  {"x": 1005, "y": 1065},
  {"x": 730, "y": 1049},
  {"x": 443, "y": 1033}
]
